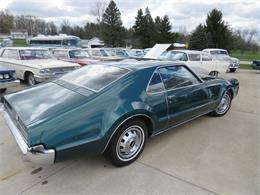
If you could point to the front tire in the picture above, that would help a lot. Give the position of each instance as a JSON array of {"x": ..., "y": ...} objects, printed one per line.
[
  {"x": 127, "y": 143},
  {"x": 232, "y": 70},
  {"x": 223, "y": 106},
  {"x": 3, "y": 90},
  {"x": 30, "y": 79}
]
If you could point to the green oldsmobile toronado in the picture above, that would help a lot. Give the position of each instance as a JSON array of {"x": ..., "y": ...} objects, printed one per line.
[{"x": 111, "y": 108}]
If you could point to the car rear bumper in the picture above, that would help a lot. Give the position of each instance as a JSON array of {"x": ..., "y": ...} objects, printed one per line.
[
  {"x": 8, "y": 84},
  {"x": 37, "y": 154}
]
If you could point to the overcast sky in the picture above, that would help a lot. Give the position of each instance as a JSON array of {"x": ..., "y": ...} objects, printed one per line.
[{"x": 183, "y": 14}]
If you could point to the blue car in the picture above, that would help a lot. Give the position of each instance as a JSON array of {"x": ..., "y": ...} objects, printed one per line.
[
  {"x": 7, "y": 79},
  {"x": 111, "y": 108},
  {"x": 256, "y": 64}
]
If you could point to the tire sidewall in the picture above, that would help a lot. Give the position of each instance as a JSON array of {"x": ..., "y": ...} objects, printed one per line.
[
  {"x": 215, "y": 113},
  {"x": 112, "y": 147}
]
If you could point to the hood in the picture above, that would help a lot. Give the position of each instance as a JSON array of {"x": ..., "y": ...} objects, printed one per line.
[
  {"x": 48, "y": 63},
  {"x": 84, "y": 61},
  {"x": 236, "y": 60},
  {"x": 157, "y": 50},
  {"x": 44, "y": 102}
]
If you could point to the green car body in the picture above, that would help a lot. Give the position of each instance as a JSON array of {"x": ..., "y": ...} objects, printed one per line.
[{"x": 69, "y": 120}]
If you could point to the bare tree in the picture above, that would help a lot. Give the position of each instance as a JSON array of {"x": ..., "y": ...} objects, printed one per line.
[{"x": 99, "y": 9}]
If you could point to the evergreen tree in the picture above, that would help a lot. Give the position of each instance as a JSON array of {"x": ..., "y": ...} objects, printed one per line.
[
  {"x": 217, "y": 29},
  {"x": 200, "y": 39},
  {"x": 113, "y": 32},
  {"x": 165, "y": 30},
  {"x": 144, "y": 28}
]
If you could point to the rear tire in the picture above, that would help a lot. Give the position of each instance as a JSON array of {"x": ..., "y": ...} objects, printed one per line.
[
  {"x": 223, "y": 106},
  {"x": 30, "y": 80},
  {"x": 127, "y": 143}
]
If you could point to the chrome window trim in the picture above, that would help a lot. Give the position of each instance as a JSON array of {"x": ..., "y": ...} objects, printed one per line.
[{"x": 165, "y": 90}]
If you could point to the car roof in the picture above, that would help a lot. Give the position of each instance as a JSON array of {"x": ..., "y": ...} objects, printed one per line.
[
  {"x": 143, "y": 64},
  {"x": 187, "y": 51},
  {"x": 213, "y": 49}
]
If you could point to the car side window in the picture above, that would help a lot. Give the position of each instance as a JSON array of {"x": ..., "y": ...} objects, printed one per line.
[
  {"x": 177, "y": 76},
  {"x": 155, "y": 85},
  {"x": 206, "y": 57},
  {"x": 194, "y": 57},
  {"x": 13, "y": 54}
]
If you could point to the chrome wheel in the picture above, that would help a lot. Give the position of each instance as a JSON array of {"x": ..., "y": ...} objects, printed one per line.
[
  {"x": 130, "y": 143},
  {"x": 224, "y": 104}
]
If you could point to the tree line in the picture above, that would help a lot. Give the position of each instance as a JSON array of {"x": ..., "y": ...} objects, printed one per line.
[{"x": 145, "y": 32}]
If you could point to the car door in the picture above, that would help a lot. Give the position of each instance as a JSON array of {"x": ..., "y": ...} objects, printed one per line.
[
  {"x": 194, "y": 59},
  {"x": 156, "y": 99},
  {"x": 186, "y": 94},
  {"x": 207, "y": 62}
]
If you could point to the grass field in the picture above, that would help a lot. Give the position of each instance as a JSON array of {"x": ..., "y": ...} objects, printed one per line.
[
  {"x": 247, "y": 56},
  {"x": 245, "y": 66},
  {"x": 19, "y": 42}
]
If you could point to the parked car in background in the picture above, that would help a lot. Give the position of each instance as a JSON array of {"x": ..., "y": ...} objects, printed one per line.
[
  {"x": 194, "y": 58},
  {"x": 112, "y": 108},
  {"x": 256, "y": 64},
  {"x": 121, "y": 52},
  {"x": 137, "y": 53},
  {"x": 222, "y": 55},
  {"x": 146, "y": 50},
  {"x": 105, "y": 54},
  {"x": 7, "y": 78},
  {"x": 78, "y": 56},
  {"x": 34, "y": 65}
]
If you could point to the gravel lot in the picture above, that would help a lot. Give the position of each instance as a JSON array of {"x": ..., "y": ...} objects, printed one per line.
[{"x": 206, "y": 156}]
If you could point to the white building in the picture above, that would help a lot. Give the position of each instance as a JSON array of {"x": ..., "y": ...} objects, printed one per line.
[
  {"x": 19, "y": 34},
  {"x": 92, "y": 43}
]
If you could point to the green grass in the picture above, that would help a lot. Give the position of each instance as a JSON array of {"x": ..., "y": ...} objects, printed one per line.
[
  {"x": 246, "y": 56},
  {"x": 19, "y": 42},
  {"x": 245, "y": 66}
]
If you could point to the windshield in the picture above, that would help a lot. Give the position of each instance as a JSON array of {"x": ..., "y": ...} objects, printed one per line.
[
  {"x": 95, "y": 77},
  {"x": 79, "y": 54},
  {"x": 219, "y": 52},
  {"x": 176, "y": 55},
  {"x": 34, "y": 54},
  {"x": 110, "y": 52}
]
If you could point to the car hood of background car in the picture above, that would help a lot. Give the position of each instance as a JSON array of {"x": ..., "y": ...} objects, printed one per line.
[
  {"x": 84, "y": 61},
  {"x": 48, "y": 63},
  {"x": 2, "y": 68},
  {"x": 45, "y": 101}
]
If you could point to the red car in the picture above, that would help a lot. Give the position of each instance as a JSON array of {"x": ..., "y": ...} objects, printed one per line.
[{"x": 74, "y": 55}]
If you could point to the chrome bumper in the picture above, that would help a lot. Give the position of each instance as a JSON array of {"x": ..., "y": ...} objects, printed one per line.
[
  {"x": 37, "y": 154},
  {"x": 43, "y": 78},
  {"x": 9, "y": 84}
]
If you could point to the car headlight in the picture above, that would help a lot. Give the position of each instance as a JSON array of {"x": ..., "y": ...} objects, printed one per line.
[
  {"x": 14, "y": 75},
  {"x": 43, "y": 71},
  {"x": 1, "y": 76},
  {"x": 6, "y": 76}
]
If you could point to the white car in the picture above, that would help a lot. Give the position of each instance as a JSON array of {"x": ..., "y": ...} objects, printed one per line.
[
  {"x": 199, "y": 59},
  {"x": 139, "y": 53},
  {"x": 34, "y": 65},
  {"x": 222, "y": 55}
]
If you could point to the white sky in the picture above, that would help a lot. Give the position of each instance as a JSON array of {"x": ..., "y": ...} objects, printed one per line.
[{"x": 184, "y": 14}]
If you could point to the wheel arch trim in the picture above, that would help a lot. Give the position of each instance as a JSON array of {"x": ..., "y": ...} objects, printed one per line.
[{"x": 125, "y": 120}]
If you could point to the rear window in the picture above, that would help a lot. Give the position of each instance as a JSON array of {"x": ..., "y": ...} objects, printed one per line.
[{"x": 95, "y": 77}]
